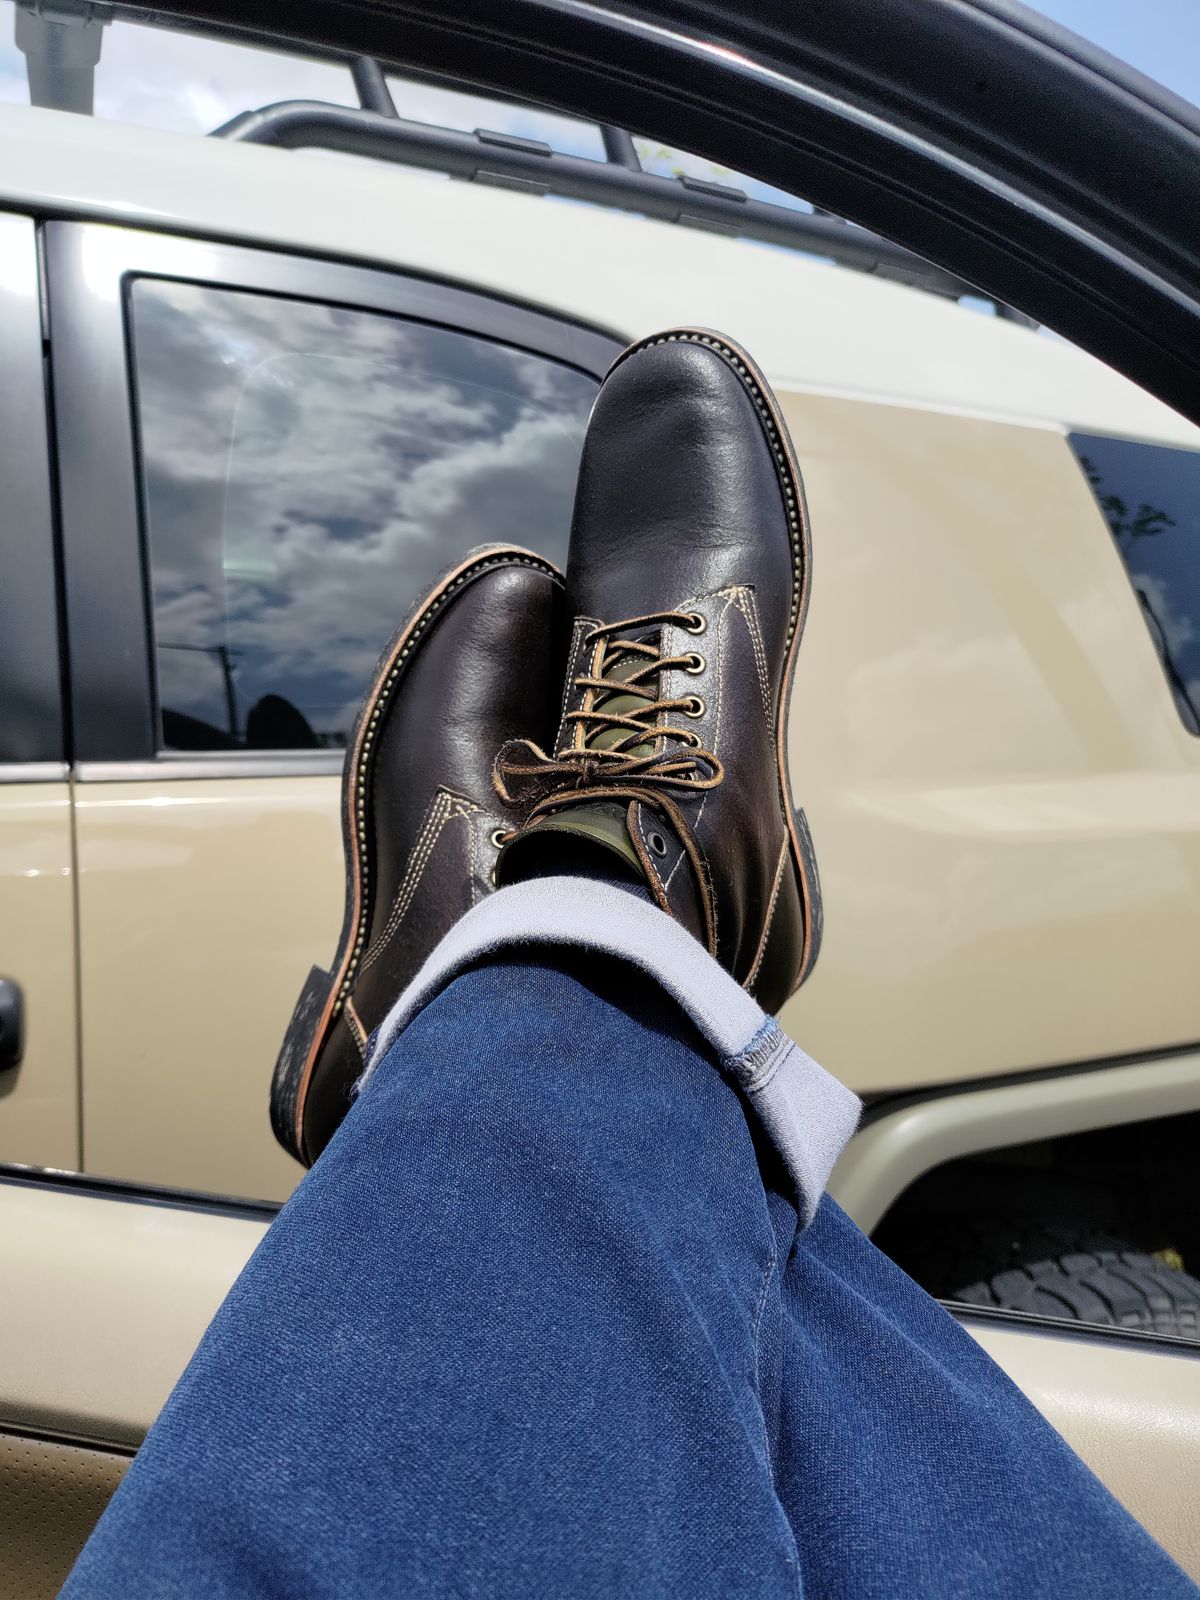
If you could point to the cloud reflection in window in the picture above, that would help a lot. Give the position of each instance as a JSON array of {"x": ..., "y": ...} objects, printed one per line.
[{"x": 308, "y": 473}]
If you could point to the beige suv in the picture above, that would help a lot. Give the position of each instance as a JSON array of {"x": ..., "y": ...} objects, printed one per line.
[{"x": 279, "y": 407}]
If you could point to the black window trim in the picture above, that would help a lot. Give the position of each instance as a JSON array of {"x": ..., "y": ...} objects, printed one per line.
[
  {"x": 31, "y": 740},
  {"x": 1077, "y": 439},
  {"x": 109, "y": 618}
]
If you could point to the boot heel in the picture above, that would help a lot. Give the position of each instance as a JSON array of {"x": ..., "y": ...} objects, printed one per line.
[{"x": 294, "y": 1055}]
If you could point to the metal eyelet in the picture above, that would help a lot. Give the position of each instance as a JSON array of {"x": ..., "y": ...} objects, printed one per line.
[
  {"x": 697, "y": 708},
  {"x": 695, "y": 663},
  {"x": 657, "y": 843},
  {"x": 500, "y": 836},
  {"x": 696, "y": 623}
]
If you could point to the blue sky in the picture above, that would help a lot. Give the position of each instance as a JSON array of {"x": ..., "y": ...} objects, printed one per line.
[{"x": 1159, "y": 37}]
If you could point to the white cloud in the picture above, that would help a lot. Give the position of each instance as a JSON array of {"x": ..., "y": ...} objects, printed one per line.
[
  {"x": 1178, "y": 629},
  {"x": 312, "y": 470}
]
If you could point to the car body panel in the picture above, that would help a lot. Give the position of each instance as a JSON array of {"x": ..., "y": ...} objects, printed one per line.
[
  {"x": 202, "y": 905},
  {"x": 1011, "y": 670},
  {"x": 39, "y": 1099},
  {"x": 843, "y": 332},
  {"x": 1004, "y": 803},
  {"x": 39, "y": 1096},
  {"x": 1003, "y": 800}
]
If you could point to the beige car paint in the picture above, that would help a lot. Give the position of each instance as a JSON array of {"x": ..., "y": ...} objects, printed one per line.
[
  {"x": 202, "y": 904},
  {"x": 1002, "y": 797},
  {"x": 1004, "y": 802},
  {"x": 810, "y": 324},
  {"x": 146, "y": 1279},
  {"x": 39, "y": 1099},
  {"x": 1005, "y": 807}
]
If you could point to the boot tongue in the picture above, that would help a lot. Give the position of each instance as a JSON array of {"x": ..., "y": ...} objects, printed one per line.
[
  {"x": 600, "y": 829},
  {"x": 596, "y": 822},
  {"x": 620, "y": 671}
]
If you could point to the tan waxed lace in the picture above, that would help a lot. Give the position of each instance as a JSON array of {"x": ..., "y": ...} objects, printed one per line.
[{"x": 637, "y": 748}]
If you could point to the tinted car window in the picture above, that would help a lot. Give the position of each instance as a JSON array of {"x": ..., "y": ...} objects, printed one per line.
[
  {"x": 1150, "y": 496},
  {"x": 308, "y": 471}
]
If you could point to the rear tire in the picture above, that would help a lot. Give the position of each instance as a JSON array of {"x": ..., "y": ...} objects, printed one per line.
[{"x": 1117, "y": 1289}]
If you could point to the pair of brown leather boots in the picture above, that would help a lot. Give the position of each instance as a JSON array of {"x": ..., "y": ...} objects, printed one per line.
[{"x": 633, "y": 715}]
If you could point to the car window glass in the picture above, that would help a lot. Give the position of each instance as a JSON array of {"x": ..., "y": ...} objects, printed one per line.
[
  {"x": 1150, "y": 497},
  {"x": 308, "y": 472}
]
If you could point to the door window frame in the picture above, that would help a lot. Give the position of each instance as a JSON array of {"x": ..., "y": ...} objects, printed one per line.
[
  {"x": 114, "y": 707},
  {"x": 32, "y": 746}
]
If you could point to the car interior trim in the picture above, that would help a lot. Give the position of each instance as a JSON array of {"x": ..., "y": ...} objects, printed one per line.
[
  {"x": 130, "y": 1193},
  {"x": 1075, "y": 1332}
]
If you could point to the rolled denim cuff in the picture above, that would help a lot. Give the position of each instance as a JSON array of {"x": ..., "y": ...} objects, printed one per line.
[{"x": 807, "y": 1114}]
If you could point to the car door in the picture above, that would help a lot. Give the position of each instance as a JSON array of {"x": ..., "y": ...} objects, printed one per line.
[
  {"x": 264, "y": 462},
  {"x": 39, "y": 1085}
]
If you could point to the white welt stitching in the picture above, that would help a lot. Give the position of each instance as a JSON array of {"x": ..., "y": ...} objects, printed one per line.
[
  {"x": 748, "y": 606},
  {"x": 444, "y": 808},
  {"x": 762, "y": 938}
]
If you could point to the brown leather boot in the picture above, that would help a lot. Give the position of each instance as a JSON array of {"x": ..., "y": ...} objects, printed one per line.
[
  {"x": 688, "y": 574},
  {"x": 478, "y": 662}
]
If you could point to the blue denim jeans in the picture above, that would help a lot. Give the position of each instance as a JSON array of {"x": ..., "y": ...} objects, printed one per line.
[{"x": 543, "y": 1321}]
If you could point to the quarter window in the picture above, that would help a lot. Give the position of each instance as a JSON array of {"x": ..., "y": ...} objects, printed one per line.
[
  {"x": 1150, "y": 496},
  {"x": 307, "y": 473}
]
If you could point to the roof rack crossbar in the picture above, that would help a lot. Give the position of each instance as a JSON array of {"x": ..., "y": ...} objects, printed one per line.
[
  {"x": 526, "y": 164},
  {"x": 371, "y": 87},
  {"x": 619, "y": 148}
]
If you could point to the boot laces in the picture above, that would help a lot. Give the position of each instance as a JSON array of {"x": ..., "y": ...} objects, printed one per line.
[{"x": 613, "y": 742}]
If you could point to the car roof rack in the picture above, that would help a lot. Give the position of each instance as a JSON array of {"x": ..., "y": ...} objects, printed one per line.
[
  {"x": 61, "y": 40},
  {"x": 376, "y": 129}
]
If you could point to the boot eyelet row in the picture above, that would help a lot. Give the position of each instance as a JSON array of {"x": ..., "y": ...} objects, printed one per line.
[
  {"x": 696, "y": 708},
  {"x": 695, "y": 663},
  {"x": 696, "y": 623}
]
